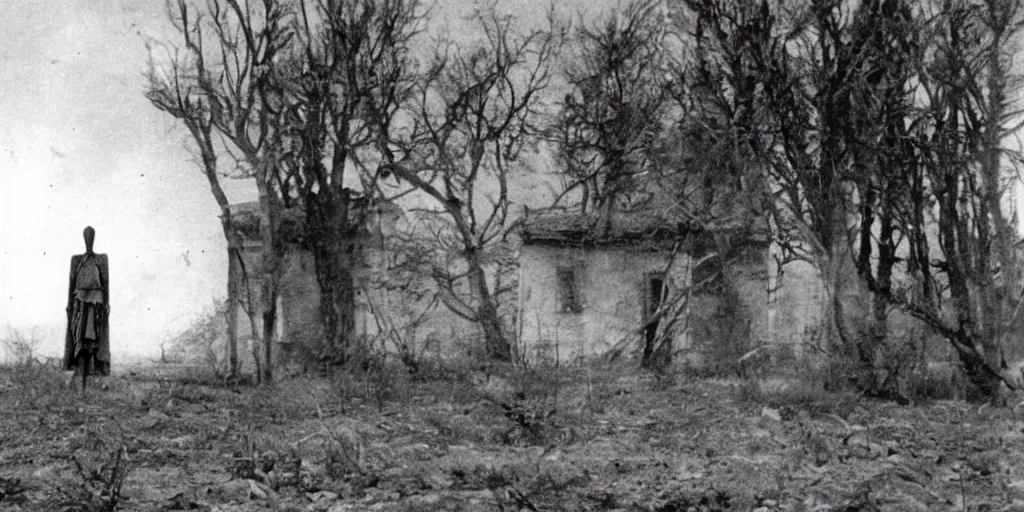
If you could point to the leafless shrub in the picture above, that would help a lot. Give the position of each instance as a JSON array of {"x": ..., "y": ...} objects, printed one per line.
[
  {"x": 600, "y": 389},
  {"x": 476, "y": 424},
  {"x": 19, "y": 348},
  {"x": 522, "y": 485},
  {"x": 401, "y": 300},
  {"x": 370, "y": 375},
  {"x": 480, "y": 476},
  {"x": 96, "y": 488},
  {"x": 35, "y": 377},
  {"x": 935, "y": 381},
  {"x": 203, "y": 341},
  {"x": 12, "y": 490},
  {"x": 267, "y": 462}
]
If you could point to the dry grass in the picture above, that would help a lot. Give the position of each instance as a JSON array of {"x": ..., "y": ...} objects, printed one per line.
[{"x": 583, "y": 437}]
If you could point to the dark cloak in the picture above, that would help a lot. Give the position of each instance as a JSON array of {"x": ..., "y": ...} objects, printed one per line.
[{"x": 99, "y": 364}]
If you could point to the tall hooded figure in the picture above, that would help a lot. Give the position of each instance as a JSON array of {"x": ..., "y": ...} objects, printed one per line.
[{"x": 87, "y": 344}]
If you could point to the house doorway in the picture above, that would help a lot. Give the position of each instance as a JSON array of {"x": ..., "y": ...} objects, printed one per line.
[{"x": 654, "y": 291}]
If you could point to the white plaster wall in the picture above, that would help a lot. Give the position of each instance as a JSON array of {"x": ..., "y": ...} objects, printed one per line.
[
  {"x": 612, "y": 286},
  {"x": 442, "y": 334}
]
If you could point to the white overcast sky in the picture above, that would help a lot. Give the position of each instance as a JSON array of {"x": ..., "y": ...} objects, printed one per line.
[{"x": 80, "y": 145}]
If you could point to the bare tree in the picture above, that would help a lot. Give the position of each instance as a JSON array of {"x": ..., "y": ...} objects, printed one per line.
[
  {"x": 352, "y": 66},
  {"x": 632, "y": 133},
  {"x": 173, "y": 89},
  {"x": 199, "y": 342},
  {"x": 611, "y": 123},
  {"x": 221, "y": 80},
  {"x": 20, "y": 349},
  {"x": 968, "y": 88},
  {"x": 474, "y": 112},
  {"x": 881, "y": 128},
  {"x": 779, "y": 83},
  {"x": 933, "y": 180},
  {"x": 873, "y": 111},
  {"x": 403, "y": 295}
]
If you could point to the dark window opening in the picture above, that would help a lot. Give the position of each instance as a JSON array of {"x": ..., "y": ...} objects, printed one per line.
[
  {"x": 568, "y": 292},
  {"x": 654, "y": 292}
]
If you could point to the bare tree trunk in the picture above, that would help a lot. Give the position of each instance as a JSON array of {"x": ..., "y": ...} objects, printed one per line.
[
  {"x": 883, "y": 386},
  {"x": 254, "y": 350},
  {"x": 497, "y": 345},
  {"x": 334, "y": 245},
  {"x": 1000, "y": 291},
  {"x": 273, "y": 249},
  {"x": 976, "y": 354},
  {"x": 269, "y": 316},
  {"x": 873, "y": 379},
  {"x": 831, "y": 336},
  {"x": 337, "y": 306},
  {"x": 234, "y": 277}
]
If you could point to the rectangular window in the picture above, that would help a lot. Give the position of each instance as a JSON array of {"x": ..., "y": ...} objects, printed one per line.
[
  {"x": 568, "y": 291},
  {"x": 655, "y": 291}
]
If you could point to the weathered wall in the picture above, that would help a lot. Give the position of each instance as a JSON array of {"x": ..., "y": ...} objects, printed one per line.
[
  {"x": 730, "y": 315},
  {"x": 795, "y": 308},
  {"x": 299, "y": 328},
  {"x": 298, "y": 317},
  {"x": 439, "y": 333},
  {"x": 613, "y": 287},
  {"x": 612, "y": 284}
]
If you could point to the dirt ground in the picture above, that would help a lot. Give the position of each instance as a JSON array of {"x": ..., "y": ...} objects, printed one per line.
[{"x": 157, "y": 438}]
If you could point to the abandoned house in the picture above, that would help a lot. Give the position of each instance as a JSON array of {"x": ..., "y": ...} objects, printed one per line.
[
  {"x": 584, "y": 287},
  {"x": 587, "y": 286}
]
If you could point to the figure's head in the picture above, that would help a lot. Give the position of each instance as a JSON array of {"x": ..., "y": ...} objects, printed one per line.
[{"x": 90, "y": 234}]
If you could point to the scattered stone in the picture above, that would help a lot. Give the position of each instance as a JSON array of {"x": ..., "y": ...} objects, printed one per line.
[
  {"x": 771, "y": 413},
  {"x": 185, "y": 441},
  {"x": 232, "y": 490},
  {"x": 437, "y": 481},
  {"x": 260, "y": 491},
  {"x": 322, "y": 496},
  {"x": 153, "y": 418},
  {"x": 1016, "y": 488},
  {"x": 48, "y": 472}
]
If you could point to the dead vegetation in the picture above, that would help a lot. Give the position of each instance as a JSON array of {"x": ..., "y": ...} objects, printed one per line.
[{"x": 577, "y": 437}]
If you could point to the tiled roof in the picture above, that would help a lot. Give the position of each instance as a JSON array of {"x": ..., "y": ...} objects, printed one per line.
[
  {"x": 661, "y": 225},
  {"x": 566, "y": 226},
  {"x": 246, "y": 219}
]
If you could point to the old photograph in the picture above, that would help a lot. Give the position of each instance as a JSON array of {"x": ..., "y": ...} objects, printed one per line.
[{"x": 511, "y": 255}]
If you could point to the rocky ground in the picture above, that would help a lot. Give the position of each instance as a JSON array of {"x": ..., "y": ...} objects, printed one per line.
[{"x": 603, "y": 439}]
